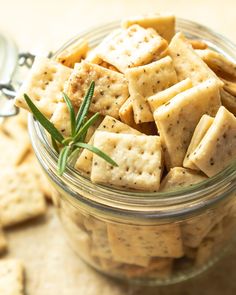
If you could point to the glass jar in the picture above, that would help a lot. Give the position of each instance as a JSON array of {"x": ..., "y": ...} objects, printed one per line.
[{"x": 149, "y": 238}]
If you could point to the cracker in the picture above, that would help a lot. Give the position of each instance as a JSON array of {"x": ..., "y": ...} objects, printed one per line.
[
  {"x": 11, "y": 277},
  {"x": 204, "y": 252},
  {"x": 111, "y": 88},
  {"x": 199, "y": 132},
  {"x": 187, "y": 62},
  {"x": 145, "y": 241},
  {"x": 230, "y": 87},
  {"x": 198, "y": 44},
  {"x": 61, "y": 119},
  {"x": 73, "y": 53},
  {"x": 144, "y": 81},
  {"x": 217, "y": 149},
  {"x": 163, "y": 24},
  {"x": 84, "y": 161},
  {"x": 132, "y": 47},
  {"x": 100, "y": 243},
  {"x": 177, "y": 119},
  {"x": 139, "y": 158},
  {"x": 218, "y": 63},
  {"x": 228, "y": 101},
  {"x": 197, "y": 228},
  {"x": 20, "y": 198},
  {"x": 3, "y": 241},
  {"x": 179, "y": 177},
  {"x": 166, "y": 95},
  {"x": 44, "y": 85}
]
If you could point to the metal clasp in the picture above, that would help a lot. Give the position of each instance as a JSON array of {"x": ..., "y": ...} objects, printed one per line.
[{"x": 7, "y": 90}]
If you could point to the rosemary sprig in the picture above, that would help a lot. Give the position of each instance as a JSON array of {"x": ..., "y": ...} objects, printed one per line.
[{"x": 68, "y": 147}]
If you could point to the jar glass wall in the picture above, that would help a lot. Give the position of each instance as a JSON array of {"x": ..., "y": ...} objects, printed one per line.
[{"x": 151, "y": 238}]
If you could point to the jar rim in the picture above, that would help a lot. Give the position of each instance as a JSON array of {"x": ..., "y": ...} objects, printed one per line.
[{"x": 194, "y": 197}]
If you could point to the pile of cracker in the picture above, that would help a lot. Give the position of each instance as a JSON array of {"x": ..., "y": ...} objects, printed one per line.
[
  {"x": 165, "y": 101},
  {"x": 23, "y": 193}
]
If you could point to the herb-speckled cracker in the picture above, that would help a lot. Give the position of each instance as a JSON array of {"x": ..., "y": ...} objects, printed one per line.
[
  {"x": 177, "y": 119},
  {"x": 11, "y": 277},
  {"x": 111, "y": 88},
  {"x": 164, "y": 24},
  {"x": 84, "y": 162},
  {"x": 180, "y": 177},
  {"x": 44, "y": 85},
  {"x": 166, "y": 95},
  {"x": 199, "y": 132},
  {"x": 218, "y": 63},
  {"x": 61, "y": 119},
  {"x": 132, "y": 47},
  {"x": 74, "y": 53},
  {"x": 187, "y": 62},
  {"x": 217, "y": 149},
  {"x": 145, "y": 241},
  {"x": 228, "y": 101},
  {"x": 20, "y": 197},
  {"x": 139, "y": 159},
  {"x": 144, "y": 81}
]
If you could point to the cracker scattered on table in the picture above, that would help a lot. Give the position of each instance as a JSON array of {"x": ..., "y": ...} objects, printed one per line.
[
  {"x": 20, "y": 197},
  {"x": 177, "y": 119},
  {"x": 221, "y": 65},
  {"x": 139, "y": 159},
  {"x": 111, "y": 88},
  {"x": 132, "y": 47},
  {"x": 166, "y": 95},
  {"x": 228, "y": 101},
  {"x": 84, "y": 161},
  {"x": 11, "y": 277},
  {"x": 187, "y": 62},
  {"x": 221, "y": 136},
  {"x": 3, "y": 241},
  {"x": 73, "y": 53},
  {"x": 179, "y": 177},
  {"x": 144, "y": 81},
  {"x": 145, "y": 241},
  {"x": 44, "y": 85},
  {"x": 199, "y": 132},
  {"x": 163, "y": 23}
]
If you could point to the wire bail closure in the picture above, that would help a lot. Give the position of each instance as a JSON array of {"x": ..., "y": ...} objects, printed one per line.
[{"x": 7, "y": 90}]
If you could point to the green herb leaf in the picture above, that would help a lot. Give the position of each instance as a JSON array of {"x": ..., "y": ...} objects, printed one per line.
[
  {"x": 83, "y": 110},
  {"x": 62, "y": 161},
  {"x": 51, "y": 129},
  {"x": 55, "y": 145},
  {"x": 72, "y": 113},
  {"x": 96, "y": 151},
  {"x": 86, "y": 126}
]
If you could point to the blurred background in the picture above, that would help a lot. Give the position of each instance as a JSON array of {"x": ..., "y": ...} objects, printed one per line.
[{"x": 41, "y": 25}]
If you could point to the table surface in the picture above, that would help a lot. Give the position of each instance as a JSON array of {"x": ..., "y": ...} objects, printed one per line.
[{"x": 41, "y": 26}]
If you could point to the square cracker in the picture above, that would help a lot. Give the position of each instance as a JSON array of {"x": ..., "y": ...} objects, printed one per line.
[
  {"x": 132, "y": 47},
  {"x": 139, "y": 158},
  {"x": 61, "y": 119},
  {"x": 44, "y": 85},
  {"x": 11, "y": 277},
  {"x": 217, "y": 149},
  {"x": 221, "y": 65},
  {"x": 179, "y": 177},
  {"x": 163, "y": 23},
  {"x": 73, "y": 53},
  {"x": 20, "y": 197},
  {"x": 145, "y": 241},
  {"x": 187, "y": 62},
  {"x": 166, "y": 95},
  {"x": 228, "y": 101},
  {"x": 111, "y": 88},
  {"x": 177, "y": 119},
  {"x": 3, "y": 241},
  {"x": 84, "y": 161},
  {"x": 144, "y": 81},
  {"x": 199, "y": 132}
]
